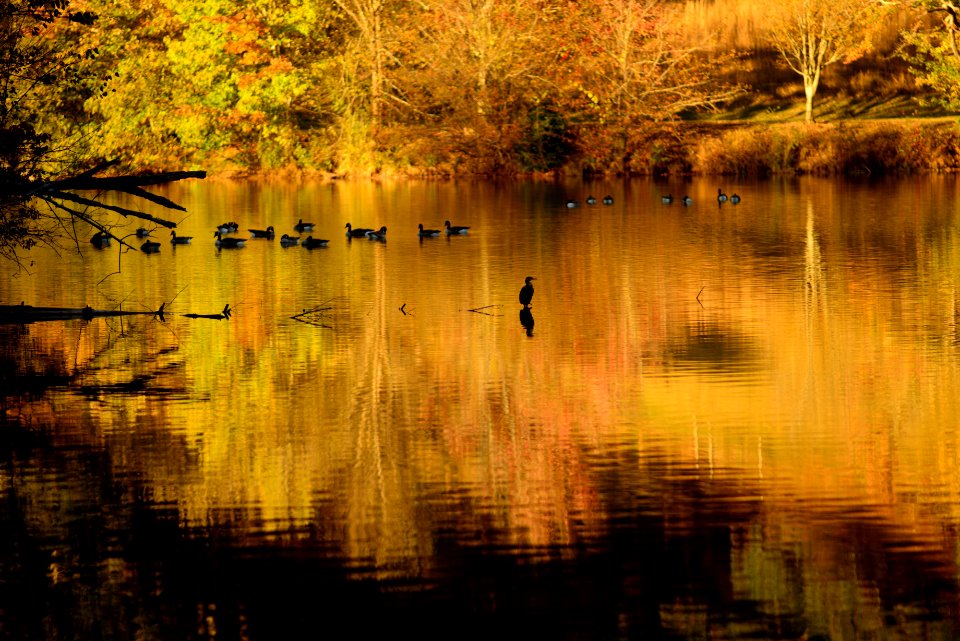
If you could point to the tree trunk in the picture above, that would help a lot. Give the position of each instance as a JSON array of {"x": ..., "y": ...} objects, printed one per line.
[
  {"x": 810, "y": 84},
  {"x": 376, "y": 75}
]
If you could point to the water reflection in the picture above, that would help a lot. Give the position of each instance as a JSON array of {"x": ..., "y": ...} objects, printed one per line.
[
  {"x": 711, "y": 346},
  {"x": 686, "y": 554},
  {"x": 739, "y": 423},
  {"x": 526, "y": 320}
]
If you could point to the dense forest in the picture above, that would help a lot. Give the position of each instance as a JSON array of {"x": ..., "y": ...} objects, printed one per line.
[{"x": 460, "y": 86}]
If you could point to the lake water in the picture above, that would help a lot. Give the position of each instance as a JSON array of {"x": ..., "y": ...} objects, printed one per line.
[{"x": 722, "y": 422}]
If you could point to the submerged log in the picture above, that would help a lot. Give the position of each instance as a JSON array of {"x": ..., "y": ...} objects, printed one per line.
[
  {"x": 29, "y": 314},
  {"x": 225, "y": 314},
  {"x": 21, "y": 314}
]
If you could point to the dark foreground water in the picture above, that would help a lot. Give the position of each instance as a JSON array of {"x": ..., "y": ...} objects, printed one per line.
[{"x": 716, "y": 422}]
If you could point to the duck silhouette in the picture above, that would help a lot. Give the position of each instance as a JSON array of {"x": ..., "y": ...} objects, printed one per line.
[{"x": 455, "y": 230}]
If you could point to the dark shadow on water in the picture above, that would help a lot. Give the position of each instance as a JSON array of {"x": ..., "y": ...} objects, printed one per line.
[
  {"x": 714, "y": 347},
  {"x": 93, "y": 556},
  {"x": 672, "y": 551}
]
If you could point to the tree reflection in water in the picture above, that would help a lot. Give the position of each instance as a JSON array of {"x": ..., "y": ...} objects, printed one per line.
[{"x": 94, "y": 556}]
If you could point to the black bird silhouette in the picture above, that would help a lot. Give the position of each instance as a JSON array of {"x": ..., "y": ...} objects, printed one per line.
[
  {"x": 228, "y": 243},
  {"x": 302, "y": 226},
  {"x": 455, "y": 230},
  {"x": 380, "y": 234},
  {"x": 312, "y": 243},
  {"x": 358, "y": 232},
  {"x": 526, "y": 292},
  {"x": 526, "y": 319},
  {"x": 100, "y": 240},
  {"x": 262, "y": 233}
]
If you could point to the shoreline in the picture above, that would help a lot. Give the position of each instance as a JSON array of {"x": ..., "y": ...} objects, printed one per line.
[{"x": 750, "y": 149}]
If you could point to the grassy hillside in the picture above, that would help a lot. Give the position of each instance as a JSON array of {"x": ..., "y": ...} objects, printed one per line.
[{"x": 877, "y": 85}]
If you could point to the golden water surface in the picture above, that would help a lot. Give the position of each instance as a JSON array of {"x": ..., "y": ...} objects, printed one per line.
[{"x": 798, "y": 349}]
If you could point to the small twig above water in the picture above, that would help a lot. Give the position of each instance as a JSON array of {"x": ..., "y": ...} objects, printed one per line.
[
  {"x": 698, "y": 295},
  {"x": 315, "y": 315},
  {"x": 480, "y": 310},
  {"x": 310, "y": 312}
]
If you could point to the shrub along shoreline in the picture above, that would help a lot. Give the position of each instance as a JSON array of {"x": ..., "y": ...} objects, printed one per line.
[
  {"x": 849, "y": 147},
  {"x": 905, "y": 146}
]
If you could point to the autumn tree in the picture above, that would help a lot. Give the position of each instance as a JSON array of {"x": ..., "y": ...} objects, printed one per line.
[
  {"x": 624, "y": 64},
  {"x": 810, "y": 35},
  {"x": 476, "y": 76},
  {"x": 44, "y": 189},
  {"x": 364, "y": 60},
  {"x": 934, "y": 54}
]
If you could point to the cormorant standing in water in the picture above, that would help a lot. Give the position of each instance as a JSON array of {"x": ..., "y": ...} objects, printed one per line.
[{"x": 526, "y": 292}]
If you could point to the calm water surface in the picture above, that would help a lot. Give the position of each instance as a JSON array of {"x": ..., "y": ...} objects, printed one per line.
[{"x": 722, "y": 422}]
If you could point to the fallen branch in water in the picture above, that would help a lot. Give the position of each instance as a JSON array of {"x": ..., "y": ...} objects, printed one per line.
[
  {"x": 479, "y": 310},
  {"x": 315, "y": 315},
  {"x": 29, "y": 314},
  {"x": 222, "y": 315},
  {"x": 310, "y": 312},
  {"x": 20, "y": 314}
]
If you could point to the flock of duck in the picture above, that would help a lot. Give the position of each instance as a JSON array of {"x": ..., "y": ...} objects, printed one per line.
[
  {"x": 222, "y": 240},
  {"x": 591, "y": 200},
  {"x": 687, "y": 200},
  {"x": 666, "y": 199}
]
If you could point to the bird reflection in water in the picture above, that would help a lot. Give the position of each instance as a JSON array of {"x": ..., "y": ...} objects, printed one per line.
[
  {"x": 526, "y": 319},
  {"x": 526, "y": 296}
]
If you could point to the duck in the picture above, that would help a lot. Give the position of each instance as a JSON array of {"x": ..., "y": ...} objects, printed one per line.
[
  {"x": 142, "y": 232},
  {"x": 380, "y": 234},
  {"x": 455, "y": 229},
  {"x": 312, "y": 243},
  {"x": 687, "y": 200},
  {"x": 572, "y": 203},
  {"x": 150, "y": 247},
  {"x": 262, "y": 233},
  {"x": 179, "y": 240},
  {"x": 226, "y": 228},
  {"x": 591, "y": 200},
  {"x": 721, "y": 197},
  {"x": 359, "y": 232},
  {"x": 526, "y": 292},
  {"x": 289, "y": 241},
  {"x": 427, "y": 233},
  {"x": 608, "y": 200},
  {"x": 667, "y": 200},
  {"x": 301, "y": 226},
  {"x": 735, "y": 198},
  {"x": 100, "y": 240},
  {"x": 229, "y": 243}
]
